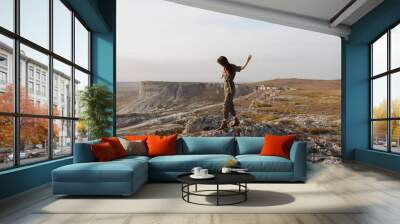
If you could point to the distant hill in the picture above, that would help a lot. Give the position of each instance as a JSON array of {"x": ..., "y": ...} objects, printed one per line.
[
  {"x": 153, "y": 96},
  {"x": 305, "y": 84}
]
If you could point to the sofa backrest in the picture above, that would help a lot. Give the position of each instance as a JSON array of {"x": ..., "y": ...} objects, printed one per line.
[
  {"x": 249, "y": 145},
  {"x": 206, "y": 145},
  {"x": 83, "y": 152}
]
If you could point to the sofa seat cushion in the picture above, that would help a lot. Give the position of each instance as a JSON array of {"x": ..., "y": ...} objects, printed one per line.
[
  {"x": 185, "y": 163},
  {"x": 113, "y": 171},
  {"x": 257, "y": 163},
  {"x": 133, "y": 157}
]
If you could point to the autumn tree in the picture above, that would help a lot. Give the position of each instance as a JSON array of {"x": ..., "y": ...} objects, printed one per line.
[{"x": 33, "y": 131}]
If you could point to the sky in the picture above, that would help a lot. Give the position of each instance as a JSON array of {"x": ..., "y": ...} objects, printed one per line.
[{"x": 164, "y": 41}]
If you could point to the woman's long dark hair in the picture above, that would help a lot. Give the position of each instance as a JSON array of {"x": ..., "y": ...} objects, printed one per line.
[{"x": 222, "y": 60}]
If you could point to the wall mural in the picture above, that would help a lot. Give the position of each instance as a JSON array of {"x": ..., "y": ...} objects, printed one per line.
[{"x": 172, "y": 77}]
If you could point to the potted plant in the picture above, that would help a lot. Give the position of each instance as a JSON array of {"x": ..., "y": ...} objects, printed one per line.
[{"x": 96, "y": 103}]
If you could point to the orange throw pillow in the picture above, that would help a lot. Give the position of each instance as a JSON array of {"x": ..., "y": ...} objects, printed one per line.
[
  {"x": 103, "y": 152},
  {"x": 116, "y": 145},
  {"x": 135, "y": 137},
  {"x": 275, "y": 145},
  {"x": 161, "y": 145}
]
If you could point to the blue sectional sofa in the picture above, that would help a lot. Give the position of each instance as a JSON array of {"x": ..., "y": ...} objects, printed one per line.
[{"x": 125, "y": 176}]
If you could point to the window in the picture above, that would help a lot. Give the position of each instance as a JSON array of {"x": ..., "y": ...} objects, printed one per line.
[
  {"x": 6, "y": 142},
  {"x": 37, "y": 75},
  {"x": 7, "y": 14},
  {"x": 385, "y": 94},
  {"x": 3, "y": 78},
  {"x": 62, "y": 137},
  {"x": 395, "y": 47},
  {"x": 30, "y": 72},
  {"x": 43, "y": 90},
  {"x": 6, "y": 74},
  {"x": 35, "y": 21},
  {"x": 37, "y": 89},
  {"x": 81, "y": 45},
  {"x": 30, "y": 88},
  {"x": 34, "y": 145},
  {"x": 3, "y": 61},
  {"x": 61, "y": 75},
  {"x": 62, "y": 29},
  {"x": 44, "y": 132},
  {"x": 81, "y": 82}
]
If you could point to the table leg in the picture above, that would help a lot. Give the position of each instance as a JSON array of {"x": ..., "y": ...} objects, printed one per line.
[
  {"x": 195, "y": 188},
  {"x": 217, "y": 194},
  {"x": 245, "y": 193},
  {"x": 182, "y": 190},
  {"x": 188, "y": 190}
]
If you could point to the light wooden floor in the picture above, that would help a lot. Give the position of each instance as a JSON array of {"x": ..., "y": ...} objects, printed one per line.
[{"x": 379, "y": 189}]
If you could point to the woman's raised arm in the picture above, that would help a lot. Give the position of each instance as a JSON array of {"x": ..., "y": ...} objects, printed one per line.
[{"x": 247, "y": 62}]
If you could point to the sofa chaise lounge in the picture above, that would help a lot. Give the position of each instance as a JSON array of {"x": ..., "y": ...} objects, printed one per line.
[{"x": 125, "y": 176}]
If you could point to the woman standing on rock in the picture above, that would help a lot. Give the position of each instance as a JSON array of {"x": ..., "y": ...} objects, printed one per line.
[{"x": 229, "y": 89}]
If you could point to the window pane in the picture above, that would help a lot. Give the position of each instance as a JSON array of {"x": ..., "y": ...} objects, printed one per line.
[
  {"x": 395, "y": 47},
  {"x": 81, "y": 45},
  {"x": 35, "y": 21},
  {"x": 33, "y": 139},
  {"x": 62, "y": 29},
  {"x": 81, "y": 81},
  {"x": 7, "y": 14},
  {"x": 6, "y": 142},
  {"x": 62, "y": 138},
  {"x": 34, "y": 72},
  {"x": 379, "y": 135},
  {"x": 6, "y": 75},
  {"x": 379, "y": 97},
  {"x": 379, "y": 55},
  {"x": 395, "y": 95},
  {"x": 81, "y": 131},
  {"x": 395, "y": 136},
  {"x": 62, "y": 89}
]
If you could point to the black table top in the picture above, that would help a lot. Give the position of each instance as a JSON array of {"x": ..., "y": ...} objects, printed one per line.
[{"x": 220, "y": 178}]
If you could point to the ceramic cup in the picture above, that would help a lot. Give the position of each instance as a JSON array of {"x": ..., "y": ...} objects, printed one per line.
[
  {"x": 196, "y": 171},
  {"x": 203, "y": 172},
  {"x": 226, "y": 170}
]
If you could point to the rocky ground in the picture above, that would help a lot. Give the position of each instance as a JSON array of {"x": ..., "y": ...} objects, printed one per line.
[{"x": 310, "y": 109}]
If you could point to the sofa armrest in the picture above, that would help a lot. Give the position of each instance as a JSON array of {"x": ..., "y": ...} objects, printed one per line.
[
  {"x": 83, "y": 152},
  {"x": 298, "y": 155}
]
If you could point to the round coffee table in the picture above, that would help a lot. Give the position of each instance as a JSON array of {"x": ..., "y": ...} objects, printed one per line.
[{"x": 238, "y": 179}]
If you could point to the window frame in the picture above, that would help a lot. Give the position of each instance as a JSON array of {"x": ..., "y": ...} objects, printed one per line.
[
  {"x": 15, "y": 72},
  {"x": 388, "y": 74}
]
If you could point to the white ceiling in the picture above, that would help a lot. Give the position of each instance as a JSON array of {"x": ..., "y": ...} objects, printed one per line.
[
  {"x": 321, "y": 9},
  {"x": 314, "y": 15}
]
